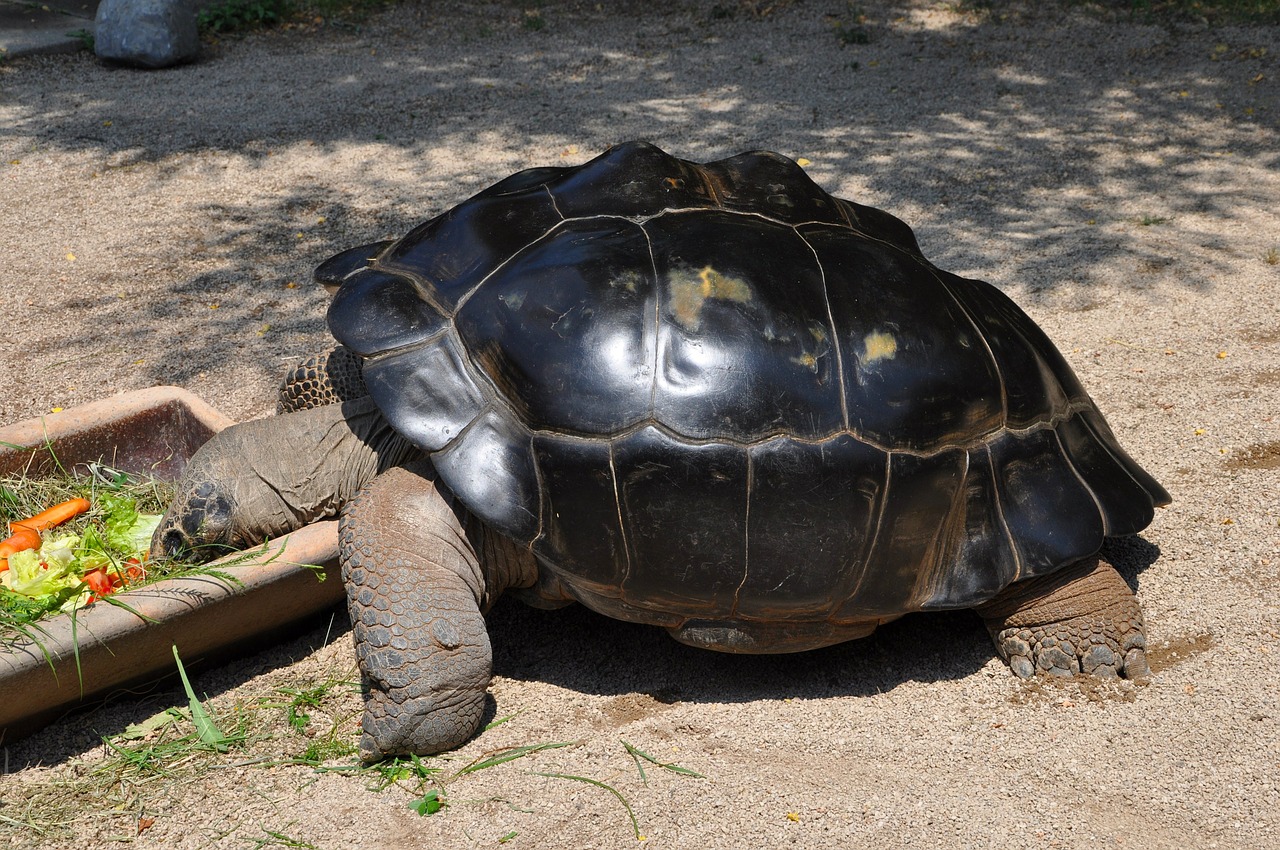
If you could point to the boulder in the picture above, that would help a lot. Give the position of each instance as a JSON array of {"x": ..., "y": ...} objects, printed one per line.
[{"x": 147, "y": 33}]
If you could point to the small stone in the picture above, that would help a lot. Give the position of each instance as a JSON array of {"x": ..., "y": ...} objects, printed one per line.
[{"x": 146, "y": 33}]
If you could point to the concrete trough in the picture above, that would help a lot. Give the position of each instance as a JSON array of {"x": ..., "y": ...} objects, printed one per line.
[{"x": 83, "y": 659}]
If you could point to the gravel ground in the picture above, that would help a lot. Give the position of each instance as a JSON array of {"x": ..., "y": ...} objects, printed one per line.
[{"x": 1118, "y": 179}]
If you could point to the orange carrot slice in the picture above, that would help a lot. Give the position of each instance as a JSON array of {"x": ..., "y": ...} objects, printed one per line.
[
  {"x": 56, "y": 515},
  {"x": 25, "y": 534}
]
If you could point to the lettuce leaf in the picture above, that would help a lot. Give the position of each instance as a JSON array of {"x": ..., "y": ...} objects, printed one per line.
[
  {"x": 127, "y": 531},
  {"x": 52, "y": 575},
  {"x": 92, "y": 553},
  {"x": 45, "y": 571}
]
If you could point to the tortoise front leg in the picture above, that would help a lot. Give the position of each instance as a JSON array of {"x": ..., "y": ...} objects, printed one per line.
[
  {"x": 414, "y": 589},
  {"x": 1080, "y": 619}
]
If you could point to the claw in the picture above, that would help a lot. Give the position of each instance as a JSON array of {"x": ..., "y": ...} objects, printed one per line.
[{"x": 1135, "y": 664}]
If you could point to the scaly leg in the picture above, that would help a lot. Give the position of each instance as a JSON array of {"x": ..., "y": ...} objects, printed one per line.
[
  {"x": 416, "y": 590},
  {"x": 1083, "y": 619}
]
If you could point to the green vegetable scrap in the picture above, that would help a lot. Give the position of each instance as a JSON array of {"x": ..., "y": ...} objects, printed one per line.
[{"x": 69, "y": 570}]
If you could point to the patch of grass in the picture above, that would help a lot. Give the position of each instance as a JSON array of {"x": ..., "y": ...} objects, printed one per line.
[
  {"x": 1152, "y": 220},
  {"x": 85, "y": 37},
  {"x": 427, "y": 781},
  {"x": 143, "y": 765},
  {"x": 856, "y": 32},
  {"x": 301, "y": 699},
  {"x": 240, "y": 16},
  {"x": 139, "y": 768},
  {"x": 1272, "y": 257},
  {"x": 230, "y": 16}
]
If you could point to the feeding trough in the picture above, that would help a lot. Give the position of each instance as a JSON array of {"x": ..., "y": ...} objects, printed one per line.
[{"x": 82, "y": 659}]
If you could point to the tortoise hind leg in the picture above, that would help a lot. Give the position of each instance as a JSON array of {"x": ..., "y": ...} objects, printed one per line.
[{"x": 1082, "y": 619}]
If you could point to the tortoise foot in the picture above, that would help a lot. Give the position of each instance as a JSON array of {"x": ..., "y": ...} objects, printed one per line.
[
  {"x": 1082, "y": 620},
  {"x": 1071, "y": 648}
]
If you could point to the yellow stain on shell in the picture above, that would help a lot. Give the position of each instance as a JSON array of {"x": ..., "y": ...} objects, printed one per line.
[
  {"x": 806, "y": 360},
  {"x": 689, "y": 292},
  {"x": 878, "y": 345}
]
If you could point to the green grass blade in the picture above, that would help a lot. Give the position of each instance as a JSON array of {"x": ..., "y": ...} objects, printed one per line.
[
  {"x": 637, "y": 754},
  {"x": 635, "y": 826},
  {"x": 112, "y": 600},
  {"x": 496, "y": 723},
  {"x": 511, "y": 754},
  {"x": 639, "y": 765},
  {"x": 205, "y": 727}
]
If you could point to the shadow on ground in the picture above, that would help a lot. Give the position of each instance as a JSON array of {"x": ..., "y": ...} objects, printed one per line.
[{"x": 989, "y": 147}]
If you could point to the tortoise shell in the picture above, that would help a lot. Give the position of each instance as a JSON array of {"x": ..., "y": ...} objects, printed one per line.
[{"x": 717, "y": 392}]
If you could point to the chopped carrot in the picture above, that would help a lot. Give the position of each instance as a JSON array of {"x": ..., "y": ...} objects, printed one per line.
[
  {"x": 56, "y": 515},
  {"x": 25, "y": 534},
  {"x": 98, "y": 582},
  {"x": 22, "y": 538}
]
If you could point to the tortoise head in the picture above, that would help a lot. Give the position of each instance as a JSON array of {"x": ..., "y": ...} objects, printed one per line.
[{"x": 198, "y": 526}]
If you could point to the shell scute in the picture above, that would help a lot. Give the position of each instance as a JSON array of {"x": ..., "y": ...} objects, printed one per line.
[
  {"x": 917, "y": 374},
  {"x": 685, "y": 509},
  {"x": 979, "y": 558},
  {"x": 490, "y": 467},
  {"x": 790, "y": 556},
  {"x": 772, "y": 185},
  {"x": 453, "y": 252},
  {"x": 566, "y": 332},
  {"x": 580, "y": 510},
  {"x": 634, "y": 179},
  {"x": 744, "y": 345},
  {"x": 911, "y": 544},
  {"x": 375, "y": 311},
  {"x": 1051, "y": 515},
  {"x": 429, "y": 393}
]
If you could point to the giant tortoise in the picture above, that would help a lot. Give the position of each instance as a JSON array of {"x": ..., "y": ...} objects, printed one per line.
[{"x": 708, "y": 397}]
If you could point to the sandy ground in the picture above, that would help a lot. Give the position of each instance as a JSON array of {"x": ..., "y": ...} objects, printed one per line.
[{"x": 1120, "y": 180}]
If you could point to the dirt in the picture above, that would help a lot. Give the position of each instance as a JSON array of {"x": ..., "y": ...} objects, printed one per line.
[
  {"x": 1257, "y": 456},
  {"x": 162, "y": 228},
  {"x": 1178, "y": 650}
]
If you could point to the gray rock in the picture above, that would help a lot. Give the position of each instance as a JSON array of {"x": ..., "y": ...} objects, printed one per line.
[{"x": 147, "y": 33}]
